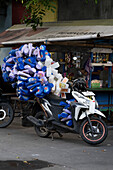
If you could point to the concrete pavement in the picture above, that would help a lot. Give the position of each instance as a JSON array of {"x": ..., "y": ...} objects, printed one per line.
[{"x": 19, "y": 143}]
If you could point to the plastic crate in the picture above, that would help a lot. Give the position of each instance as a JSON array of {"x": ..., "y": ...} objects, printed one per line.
[{"x": 95, "y": 85}]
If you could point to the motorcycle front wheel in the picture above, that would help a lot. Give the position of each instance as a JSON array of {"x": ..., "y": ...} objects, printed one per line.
[
  {"x": 95, "y": 133},
  {"x": 6, "y": 115},
  {"x": 41, "y": 131}
]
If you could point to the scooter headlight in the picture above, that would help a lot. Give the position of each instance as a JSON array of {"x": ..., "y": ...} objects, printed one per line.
[{"x": 87, "y": 102}]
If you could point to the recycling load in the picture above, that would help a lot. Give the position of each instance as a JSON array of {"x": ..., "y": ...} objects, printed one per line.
[
  {"x": 32, "y": 71},
  {"x": 66, "y": 115}
]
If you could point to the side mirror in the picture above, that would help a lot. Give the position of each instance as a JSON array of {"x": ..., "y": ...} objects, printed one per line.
[{"x": 80, "y": 74}]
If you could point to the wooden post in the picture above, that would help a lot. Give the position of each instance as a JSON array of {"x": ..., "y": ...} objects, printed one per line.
[{"x": 89, "y": 82}]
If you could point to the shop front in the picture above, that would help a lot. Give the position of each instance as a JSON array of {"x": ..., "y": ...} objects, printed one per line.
[
  {"x": 101, "y": 78},
  {"x": 84, "y": 48},
  {"x": 97, "y": 69}
]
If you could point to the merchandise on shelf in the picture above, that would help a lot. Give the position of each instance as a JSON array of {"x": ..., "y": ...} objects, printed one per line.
[
  {"x": 100, "y": 58},
  {"x": 96, "y": 83}
]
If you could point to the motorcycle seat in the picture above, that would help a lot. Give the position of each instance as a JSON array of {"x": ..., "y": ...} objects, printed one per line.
[{"x": 54, "y": 100}]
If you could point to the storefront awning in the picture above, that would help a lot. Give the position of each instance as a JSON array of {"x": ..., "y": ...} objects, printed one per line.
[{"x": 20, "y": 34}]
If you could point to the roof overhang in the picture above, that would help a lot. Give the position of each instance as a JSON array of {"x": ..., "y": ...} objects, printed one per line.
[{"x": 56, "y": 34}]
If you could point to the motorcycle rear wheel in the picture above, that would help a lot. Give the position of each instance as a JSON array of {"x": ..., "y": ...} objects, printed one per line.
[
  {"x": 41, "y": 131},
  {"x": 97, "y": 134}
]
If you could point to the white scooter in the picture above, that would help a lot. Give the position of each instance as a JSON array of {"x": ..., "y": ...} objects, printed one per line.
[{"x": 77, "y": 115}]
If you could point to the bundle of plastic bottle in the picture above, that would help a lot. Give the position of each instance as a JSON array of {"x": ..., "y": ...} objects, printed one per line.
[
  {"x": 66, "y": 116},
  {"x": 32, "y": 71}
]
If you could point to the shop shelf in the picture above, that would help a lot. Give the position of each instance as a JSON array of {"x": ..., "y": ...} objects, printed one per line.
[{"x": 102, "y": 64}]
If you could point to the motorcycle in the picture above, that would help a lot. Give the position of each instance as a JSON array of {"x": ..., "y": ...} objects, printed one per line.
[{"x": 78, "y": 114}]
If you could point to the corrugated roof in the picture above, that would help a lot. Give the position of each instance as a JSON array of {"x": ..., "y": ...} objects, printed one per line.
[{"x": 19, "y": 34}]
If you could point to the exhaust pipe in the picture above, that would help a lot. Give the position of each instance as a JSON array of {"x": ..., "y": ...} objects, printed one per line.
[{"x": 35, "y": 121}]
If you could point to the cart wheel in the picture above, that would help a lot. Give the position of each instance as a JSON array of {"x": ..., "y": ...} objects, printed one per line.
[{"x": 6, "y": 115}]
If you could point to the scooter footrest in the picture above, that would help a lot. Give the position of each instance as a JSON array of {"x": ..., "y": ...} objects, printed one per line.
[
  {"x": 51, "y": 119},
  {"x": 35, "y": 121}
]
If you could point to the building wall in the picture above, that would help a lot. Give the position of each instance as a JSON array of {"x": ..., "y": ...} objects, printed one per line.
[
  {"x": 17, "y": 12},
  {"x": 6, "y": 17},
  {"x": 51, "y": 16},
  {"x": 80, "y": 10},
  {"x": 5, "y": 22}
]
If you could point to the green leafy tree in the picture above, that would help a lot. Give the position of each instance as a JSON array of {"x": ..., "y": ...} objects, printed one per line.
[{"x": 35, "y": 10}]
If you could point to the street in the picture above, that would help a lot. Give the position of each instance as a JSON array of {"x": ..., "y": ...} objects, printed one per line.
[{"x": 21, "y": 148}]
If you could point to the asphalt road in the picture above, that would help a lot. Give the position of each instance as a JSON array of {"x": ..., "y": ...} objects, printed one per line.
[{"x": 22, "y": 149}]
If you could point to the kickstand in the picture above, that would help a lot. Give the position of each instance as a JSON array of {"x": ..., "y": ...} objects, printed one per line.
[
  {"x": 52, "y": 134},
  {"x": 60, "y": 134}
]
